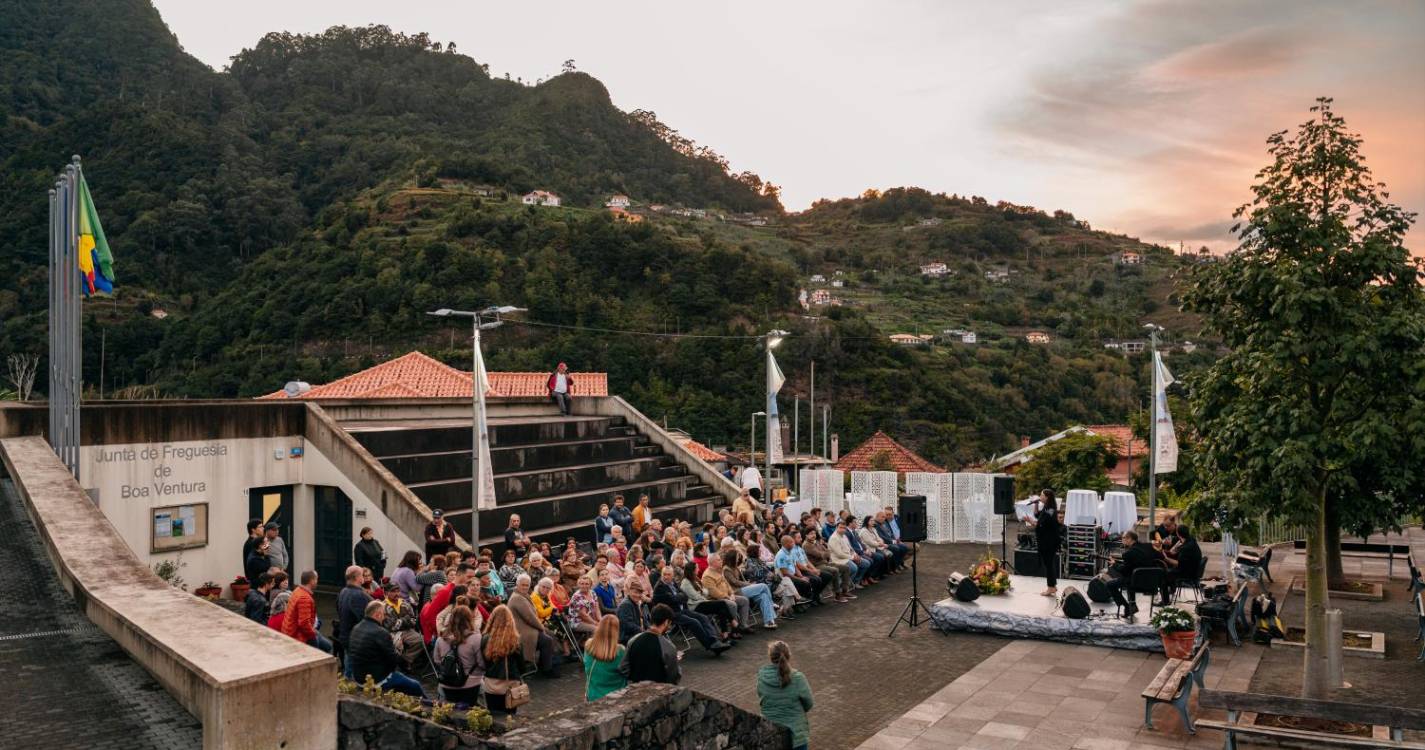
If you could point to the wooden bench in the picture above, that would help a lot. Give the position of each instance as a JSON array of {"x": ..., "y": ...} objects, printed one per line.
[
  {"x": 1173, "y": 685},
  {"x": 1420, "y": 621},
  {"x": 1397, "y": 718},
  {"x": 1238, "y": 615}
]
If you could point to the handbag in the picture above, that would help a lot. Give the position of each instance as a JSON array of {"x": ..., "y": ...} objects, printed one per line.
[{"x": 519, "y": 692}]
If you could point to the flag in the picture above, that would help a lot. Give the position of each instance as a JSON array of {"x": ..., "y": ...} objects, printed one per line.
[
  {"x": 774, "y": 424},
  {"x": 96, "y": 263},
  {"x": 487, "y": 472},
  {"x": 1165, "y": 440}
]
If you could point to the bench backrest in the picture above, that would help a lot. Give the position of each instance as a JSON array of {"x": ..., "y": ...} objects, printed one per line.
[
  {"x": 1357, "y": 713},
  {"x": 1199, "y": 659}
]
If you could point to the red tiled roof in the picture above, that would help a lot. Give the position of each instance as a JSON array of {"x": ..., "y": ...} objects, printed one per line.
[
  {"x": 1123, "y": 438},
  {"x": 702, "y": 451},
  {"x": 416, "y": 375},
  {"x": 902, "y": 458}
]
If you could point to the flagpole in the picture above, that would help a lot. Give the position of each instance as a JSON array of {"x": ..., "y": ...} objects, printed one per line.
[
  {"x": 1153, "y": 441},
  {"x": 477, "y": 407}
]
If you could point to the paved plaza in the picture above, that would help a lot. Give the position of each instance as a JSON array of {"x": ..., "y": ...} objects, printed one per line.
[{"x": 67, "y": 684}]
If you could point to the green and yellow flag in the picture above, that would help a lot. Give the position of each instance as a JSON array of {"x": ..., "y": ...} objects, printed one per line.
[{"x": 96, "y": 263}]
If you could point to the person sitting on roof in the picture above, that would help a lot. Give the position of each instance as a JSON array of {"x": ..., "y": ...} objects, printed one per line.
[{"x": 561, "y": 388}]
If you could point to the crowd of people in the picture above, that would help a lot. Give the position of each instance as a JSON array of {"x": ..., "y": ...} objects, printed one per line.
[{"x": 481, "y": 621}]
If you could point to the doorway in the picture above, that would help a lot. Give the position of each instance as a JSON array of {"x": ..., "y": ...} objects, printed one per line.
[
  {"x": 274, "y": 504},
  {"x": 331, "y": 538}
]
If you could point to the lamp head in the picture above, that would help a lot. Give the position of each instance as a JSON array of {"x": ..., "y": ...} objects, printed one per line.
[{"x": 443, "y": 312}]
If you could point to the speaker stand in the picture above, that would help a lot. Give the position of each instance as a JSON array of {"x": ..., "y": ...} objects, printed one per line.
[
  {"x": 1004, "y": 545},
  {"x": 911, "y": 614}
]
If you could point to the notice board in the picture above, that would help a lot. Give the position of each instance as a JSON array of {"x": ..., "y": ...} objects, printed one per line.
[{"x": 178, "y": 527}]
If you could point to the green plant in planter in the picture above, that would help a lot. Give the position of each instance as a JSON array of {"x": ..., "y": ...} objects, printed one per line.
[
  {"x": 167, "y": 570},
  {"x": 479, "y": 720},
  {"x": 1172, "y": 620},
  {"x": 347, "y": 687},
  {"x": 440, "y": 712},
  {"x": 369, "y": 689},
  {"x": 400, "y": 702}
]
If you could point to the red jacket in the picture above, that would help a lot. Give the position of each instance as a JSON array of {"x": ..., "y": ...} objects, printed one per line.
[
  {"x": 432, "y": 608},
  {"x": 568, "y": 378},
  {"x": 301, "y": 619}
]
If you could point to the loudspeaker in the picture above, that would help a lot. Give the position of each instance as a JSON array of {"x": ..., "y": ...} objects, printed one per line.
[
  {"x": 1075, "y": 606},
  {"x": 1098, "y": 588},
  {"x": 1004, "y": 496},
  {"x": 1026, "y": 563},
  {"x": 962, "y": 587},
  {"x": 912, "y": 517}
]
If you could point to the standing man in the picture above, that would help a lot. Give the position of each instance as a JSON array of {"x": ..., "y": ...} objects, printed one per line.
[
  {"x": 561, "y": 388},
  {"x": 751, "y": 480},
  {"x": 254, "y": 537},
  {"x": 622, "y": 516},
  {"x": 277, "y": 553},
  {"x": 350, "y": 607},
  {"x": 651, "y": 657},
  {"x": 642, "y": 515},
  {"x": 440, "y": 537},
  {"x": 301, "y": 619}
]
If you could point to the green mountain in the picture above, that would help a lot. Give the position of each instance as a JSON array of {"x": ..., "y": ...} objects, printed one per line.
[{"x": 295, "y": 216}]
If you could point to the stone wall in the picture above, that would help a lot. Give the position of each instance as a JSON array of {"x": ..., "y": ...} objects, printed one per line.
[{"x": 645, "y": 716}]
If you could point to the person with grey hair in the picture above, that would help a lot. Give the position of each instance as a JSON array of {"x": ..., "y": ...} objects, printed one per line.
[
  {"x": 535, "y": 640},
  {"x": 350, "y": 604},
  {"x": 279, "y": 610}
]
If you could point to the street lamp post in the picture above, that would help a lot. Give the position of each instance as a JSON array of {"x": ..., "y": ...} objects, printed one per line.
[
  {"x": 479, "y": 436},
  {"x": 752, "y": 445}
]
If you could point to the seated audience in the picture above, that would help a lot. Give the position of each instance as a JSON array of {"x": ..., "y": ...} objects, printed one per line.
[
  {"x": 462, "y": 637},
  {"x": 650, "y": 656},
  {"x": 370, "y": 653}
]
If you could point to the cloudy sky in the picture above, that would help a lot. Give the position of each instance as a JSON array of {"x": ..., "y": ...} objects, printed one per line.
[{"x": 1143, "y": 117}]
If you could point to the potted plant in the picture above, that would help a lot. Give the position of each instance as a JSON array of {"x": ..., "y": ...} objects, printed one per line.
[
  {"x": 240, "y": 587},
  {"x": 208, "y": 590},
  {"x": 1178, "y": 630}
]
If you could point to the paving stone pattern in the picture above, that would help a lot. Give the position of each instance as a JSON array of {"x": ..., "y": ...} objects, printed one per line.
[
  {"x": 861, "y": 679},
  {"x": 66, "y": 683}
]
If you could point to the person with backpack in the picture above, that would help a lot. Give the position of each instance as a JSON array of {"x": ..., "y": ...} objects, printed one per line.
[{"x": 460, "y": 668}]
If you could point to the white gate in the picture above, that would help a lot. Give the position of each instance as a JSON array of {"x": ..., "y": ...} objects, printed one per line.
[
  {"x": 871, "y": 491},
  {"x": 939, "y": 491},
  {"x": 975, "y": 519}
]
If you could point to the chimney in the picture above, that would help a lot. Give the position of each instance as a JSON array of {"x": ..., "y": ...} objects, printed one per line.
[{"x": 1024, "y": 441}]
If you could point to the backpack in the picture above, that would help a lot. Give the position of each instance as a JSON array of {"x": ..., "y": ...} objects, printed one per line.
[{"x": 452, "y": 671}]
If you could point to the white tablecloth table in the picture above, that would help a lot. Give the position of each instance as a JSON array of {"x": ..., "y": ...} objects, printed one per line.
[
  {"x": 1081, "y": 508},
  {"x": 1118, "y": 512}
]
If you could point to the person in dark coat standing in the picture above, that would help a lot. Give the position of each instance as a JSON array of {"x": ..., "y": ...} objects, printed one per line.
[
  {"x": 650, "y": 656},
  {"x": 350, "y": 608},
  {"x": 257, "y": 562},
  {"x": 369, "y": 553},
  {"x": 254, "y": 607},
  {"x": 1048, "y": 536},
  {"x": 440, "y": 537},
  {"x": 371, "y": 653},
  {"x": 255, "y": 535}
]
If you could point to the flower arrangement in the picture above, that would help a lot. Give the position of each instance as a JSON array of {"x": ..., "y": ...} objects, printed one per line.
[
  {"x": 1172, "y": 620},
  {"x": 240, "y": 581},
  {"x": 989, "y": 574}
]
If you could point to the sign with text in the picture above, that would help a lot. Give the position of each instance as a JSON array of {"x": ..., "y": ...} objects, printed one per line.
[{"x": 179, "y": 527}]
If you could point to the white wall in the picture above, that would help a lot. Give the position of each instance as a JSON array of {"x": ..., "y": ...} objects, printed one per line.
[{"x": 130, "y": 480}]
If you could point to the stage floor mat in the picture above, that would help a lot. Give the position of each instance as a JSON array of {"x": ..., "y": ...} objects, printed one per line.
[{"x": 1023, "y": 613}]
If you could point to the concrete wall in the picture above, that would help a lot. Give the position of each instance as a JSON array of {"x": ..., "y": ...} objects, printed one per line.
[
  {"x": 614, "y": 406},
  {"x": 250, "y": 686}
]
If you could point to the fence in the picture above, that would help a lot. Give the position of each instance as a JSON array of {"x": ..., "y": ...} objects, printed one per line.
[
  {"x": 939, "y": 492},
  {"x": 1277, "y": 532},
  {"x": 872, "y": 491},
  {"x": 822, "y": 488}
]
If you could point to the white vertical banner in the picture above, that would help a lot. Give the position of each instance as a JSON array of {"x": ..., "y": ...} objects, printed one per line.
[
  {"x": 487, "y": 472},
  {"x": 1165, "y": 440},
  {"x": 774, "y": 425}
]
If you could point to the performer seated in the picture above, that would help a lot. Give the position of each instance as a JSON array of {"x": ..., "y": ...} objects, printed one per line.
[
  {"x": 1165, "y": 535},
  {"x": 1135, "y": 556},
  {"x": 1185, "y": 565}
]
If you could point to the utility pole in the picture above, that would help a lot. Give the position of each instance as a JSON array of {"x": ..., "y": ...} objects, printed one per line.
[{"x": 1153, "y": 432}]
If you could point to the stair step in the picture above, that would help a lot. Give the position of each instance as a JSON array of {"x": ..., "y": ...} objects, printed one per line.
[{"x": 584, "y": 530}]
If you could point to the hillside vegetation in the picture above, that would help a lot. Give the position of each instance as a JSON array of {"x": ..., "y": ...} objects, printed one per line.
[{"x": 295, "y": 217}]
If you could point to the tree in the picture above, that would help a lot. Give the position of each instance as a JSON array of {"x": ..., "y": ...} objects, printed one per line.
[
  {"x": 21, "y": 374},
  {"x": 568, "y": 66},
  {"x": 1317, "y": 404},
  {"x": 1078, "y": 461}
]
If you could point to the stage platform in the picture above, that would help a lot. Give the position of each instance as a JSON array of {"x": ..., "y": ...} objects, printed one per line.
[{"x": 1023, "y": 613}]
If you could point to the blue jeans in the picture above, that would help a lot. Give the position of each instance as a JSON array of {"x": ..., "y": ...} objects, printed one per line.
[
  {"x": 858, "y": 569},
  {"x": 321, "y": 643},
  {"x": 402, "y": 684},
  {"x": 758, "y": 592}
]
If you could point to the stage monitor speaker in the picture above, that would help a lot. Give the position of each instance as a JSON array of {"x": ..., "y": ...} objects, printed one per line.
[
  {"x": 1098, "y": 588},
  {"x": 912, "y": 518},
  {"x": 962, "y": 587},
  {"x": 1075, "y": 606},
  {"x": 1004, "y": 496}
]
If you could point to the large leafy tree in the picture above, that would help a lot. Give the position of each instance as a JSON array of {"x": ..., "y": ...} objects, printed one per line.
[
  {"x": 1314, "y": 414},
  {"x": 1074, "y": 462}
]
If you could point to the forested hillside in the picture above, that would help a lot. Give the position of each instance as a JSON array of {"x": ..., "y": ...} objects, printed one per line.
[{"x": 295, "y": 216}]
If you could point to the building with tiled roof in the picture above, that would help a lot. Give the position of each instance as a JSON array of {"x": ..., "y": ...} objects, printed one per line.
[
  {"x": 417, "y": 375},
  {"x": 902, "y": 459},
  {"x": 1131, "y": 451}
]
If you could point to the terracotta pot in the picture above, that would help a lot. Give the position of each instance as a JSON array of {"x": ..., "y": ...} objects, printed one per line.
[
  {"x": 240, "y": 591},
  {"x": 206, "y": 592},
  {"x": 1178, "y": 645}
]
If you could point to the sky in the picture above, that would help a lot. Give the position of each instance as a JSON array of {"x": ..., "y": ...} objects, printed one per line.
[{"x": 1147, "y": 117}]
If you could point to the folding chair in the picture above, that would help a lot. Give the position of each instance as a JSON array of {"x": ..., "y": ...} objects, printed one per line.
[
  {"x": 1194, "y": 586},
  {"x": 566, "y": 632},
  {"x": 1148, "y": 581}
]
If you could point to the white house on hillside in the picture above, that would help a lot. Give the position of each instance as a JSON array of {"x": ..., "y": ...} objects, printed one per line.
[
  {"x": 910, "y": 339},
  {"x": 934, "y": 270},
  {"x": 540, "y": 198},
  {"x": 817, "y": 278},
  {"x": 998, "y": 275},
  {"x": 618, "y": 201}
]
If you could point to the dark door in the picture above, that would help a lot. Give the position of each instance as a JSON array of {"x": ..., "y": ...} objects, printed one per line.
[
  {"x": 331, "y": 536},
  {"x": 274, "y": 504}
]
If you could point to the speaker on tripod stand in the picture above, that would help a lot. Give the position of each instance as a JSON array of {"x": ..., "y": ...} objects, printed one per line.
[
  {"x": 911, "y": 510},
  {"x": 1004, "y": 506}
]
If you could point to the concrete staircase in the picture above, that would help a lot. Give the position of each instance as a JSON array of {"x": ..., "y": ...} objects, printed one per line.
[{"x": 554, "y": 471}]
